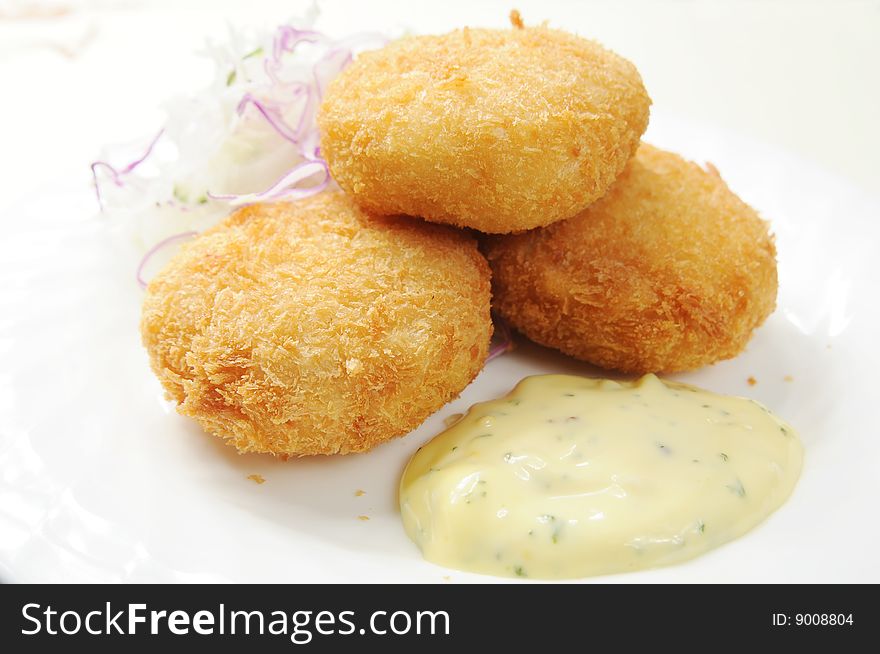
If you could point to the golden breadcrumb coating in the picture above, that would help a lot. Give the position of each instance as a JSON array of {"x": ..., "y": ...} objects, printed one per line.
[
  {"x": 669, "y": 271},
  {"x": 498, "y": 130},
  {"x": 314, "y": 328}
]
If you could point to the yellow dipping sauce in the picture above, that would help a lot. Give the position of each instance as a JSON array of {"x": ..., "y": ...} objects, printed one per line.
[{"x": 569, "y": 477}]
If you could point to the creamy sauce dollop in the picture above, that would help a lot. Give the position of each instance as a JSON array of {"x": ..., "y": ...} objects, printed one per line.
[{"x": 569, "y": 477}]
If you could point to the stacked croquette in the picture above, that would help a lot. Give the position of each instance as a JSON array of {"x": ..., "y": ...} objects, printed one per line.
[{"x": 321, "y": 327}]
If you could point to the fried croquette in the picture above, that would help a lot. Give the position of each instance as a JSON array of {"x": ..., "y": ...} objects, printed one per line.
[
  {"x": 497, "y": 130},
  {"x": 315, "y": 328},
  {"x": 669, "y": 271}
]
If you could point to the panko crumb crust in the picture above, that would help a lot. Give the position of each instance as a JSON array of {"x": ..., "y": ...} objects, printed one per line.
[
  {"x": 496, "y": 130},
  {"x": 316, "y": 328},
  {"x": 670, "y": 271}
]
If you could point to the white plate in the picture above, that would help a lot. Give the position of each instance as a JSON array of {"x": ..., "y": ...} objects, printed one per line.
[{"x": 100, "y": 480}]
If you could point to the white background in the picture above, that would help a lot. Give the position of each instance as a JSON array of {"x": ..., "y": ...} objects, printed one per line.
[{"x": 796, "y": 73}]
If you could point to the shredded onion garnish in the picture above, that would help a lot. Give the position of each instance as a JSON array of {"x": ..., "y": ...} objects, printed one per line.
[
  {"x": 117, "y": 175},
  {"x": 153, "y": 251},
  {"x": 502, "y": 339},
  {"x": 285, "y": 188},
  {"x": 251, "y": 136}
]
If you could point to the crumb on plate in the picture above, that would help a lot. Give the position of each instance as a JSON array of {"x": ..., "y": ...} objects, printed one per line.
[{"x": 516, "y": 19}]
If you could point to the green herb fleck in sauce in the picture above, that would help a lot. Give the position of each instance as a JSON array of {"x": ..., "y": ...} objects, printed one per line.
[{"x": 737, "y": 488}]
